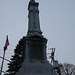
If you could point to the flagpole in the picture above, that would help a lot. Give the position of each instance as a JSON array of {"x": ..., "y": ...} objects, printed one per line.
[
  {"x": 5, "y": 48},
  {"x": 2, "y": 62}
]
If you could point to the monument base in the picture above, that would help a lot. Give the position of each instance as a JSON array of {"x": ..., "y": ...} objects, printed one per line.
[{"x": 36, "y": 68}]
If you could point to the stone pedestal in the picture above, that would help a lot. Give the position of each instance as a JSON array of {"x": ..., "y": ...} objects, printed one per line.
[
  {"x": 36, "y": 68},
  {"x": 35, "y": 61}
]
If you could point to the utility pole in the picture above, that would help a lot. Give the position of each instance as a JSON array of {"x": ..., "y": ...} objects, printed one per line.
[
  {"x": 55, "y": 62},
  {"x": 52, "y": 54}
]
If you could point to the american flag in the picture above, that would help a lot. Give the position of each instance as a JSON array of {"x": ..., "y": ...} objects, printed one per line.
[{"x": 6, "y": 44}]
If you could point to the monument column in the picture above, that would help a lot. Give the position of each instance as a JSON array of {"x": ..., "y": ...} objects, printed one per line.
[{"x": 33, "y": 19}]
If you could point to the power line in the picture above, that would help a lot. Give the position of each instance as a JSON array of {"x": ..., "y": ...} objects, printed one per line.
[
  {"x": 5, "y": 59},
  {"x": 4, "y": 72}
]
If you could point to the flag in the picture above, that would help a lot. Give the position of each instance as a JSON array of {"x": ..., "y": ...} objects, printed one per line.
[{"x": 6, "y": 44}]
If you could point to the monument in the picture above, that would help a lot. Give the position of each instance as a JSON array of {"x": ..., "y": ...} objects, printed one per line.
[{"x": 35, "y": 58}]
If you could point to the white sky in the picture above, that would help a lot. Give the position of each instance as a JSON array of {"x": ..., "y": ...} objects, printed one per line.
[{"x": 57, "y": 21}]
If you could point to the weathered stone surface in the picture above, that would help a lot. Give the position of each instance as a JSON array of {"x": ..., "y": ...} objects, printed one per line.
[
  {"x": 36, "y": 68},
  {"x": 35, "y": 61},
  {"x": 33, "y": 19}
]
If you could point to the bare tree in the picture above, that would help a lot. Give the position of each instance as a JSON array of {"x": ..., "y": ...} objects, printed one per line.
[{"x": 67, "y": 69}]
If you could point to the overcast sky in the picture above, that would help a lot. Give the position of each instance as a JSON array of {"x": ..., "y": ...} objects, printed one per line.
[{"x": 57, "y": 22}]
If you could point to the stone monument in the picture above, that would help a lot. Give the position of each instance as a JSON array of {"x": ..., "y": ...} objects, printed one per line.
[{"x": 35, "y": 59}]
